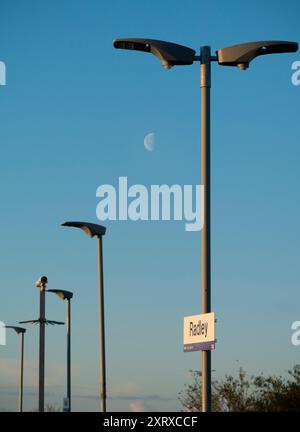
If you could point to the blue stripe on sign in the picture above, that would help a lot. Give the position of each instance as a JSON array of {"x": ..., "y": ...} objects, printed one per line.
[{"x": 203, "y": 346}]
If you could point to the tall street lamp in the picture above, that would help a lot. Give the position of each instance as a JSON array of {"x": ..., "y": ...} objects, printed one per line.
[
  {"x": 41, "y": 283},
  {"x": 239, "y": 56},
  {"x": 93, "y": 230},
  {"x": 67, "y": 295},
  {"x": 20, "y": 331}
]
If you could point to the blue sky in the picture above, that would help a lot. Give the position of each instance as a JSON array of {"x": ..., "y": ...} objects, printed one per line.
[{"x": 73, "y": 116}]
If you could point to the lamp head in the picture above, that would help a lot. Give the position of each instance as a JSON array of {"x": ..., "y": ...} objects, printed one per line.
[
  {"x": 241, "y": 55},
  {"x": 64, "y": 295},
  {"x": 89, "y": 228},
  {"x": 170, "y": 54},
  {"x": 18, "y": 330}
]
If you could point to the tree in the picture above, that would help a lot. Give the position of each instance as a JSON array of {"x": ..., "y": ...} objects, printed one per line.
[
  {"x": 256, "y": 393},
  {"x": 190, "y": 397},
  {"x": 277, "y": 393}
]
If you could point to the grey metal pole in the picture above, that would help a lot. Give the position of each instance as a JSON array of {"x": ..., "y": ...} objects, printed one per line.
[
  {"x": 102, "y": 328},
  {"x": 42, "y": 350},
  {"x": 68, "y": 326},
  {"x": 21, "y": 372},
  {"x": 205, "y": 72}
]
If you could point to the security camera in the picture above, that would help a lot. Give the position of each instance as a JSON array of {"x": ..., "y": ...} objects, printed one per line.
[{"x": 41, "y": 282}]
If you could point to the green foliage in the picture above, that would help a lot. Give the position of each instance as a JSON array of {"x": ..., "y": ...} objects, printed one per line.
[{"x": 242, "y": 393}]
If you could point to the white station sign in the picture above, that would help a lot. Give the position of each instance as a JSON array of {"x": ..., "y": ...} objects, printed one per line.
[{"x": 199, "y": 332}]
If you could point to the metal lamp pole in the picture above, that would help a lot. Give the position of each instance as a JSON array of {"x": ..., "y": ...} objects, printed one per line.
[
  {"x": 21, "y": 371},
  {"x": 240, "y": 56},
  {"x": 68, "y": 327},
  {"x": 67, "y": 295},
  {"x": 97, "y": 230},
  {"x": 205, "y": 82},
  {"x": 41, "y": 283},
  {"x": 101, "y": 324},
  {"x": 21, "y": 331}
]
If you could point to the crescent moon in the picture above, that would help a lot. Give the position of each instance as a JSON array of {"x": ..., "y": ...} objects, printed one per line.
[{"x": 149, "y": 141}]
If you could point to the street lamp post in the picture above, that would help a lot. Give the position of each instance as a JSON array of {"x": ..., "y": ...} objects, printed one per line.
[
  {"x": 41, "y": 283},
  {"x": 239, "y": 56},
  {"x": 20, "y": 331},
  {"x": 99, "y": 231},
  {"x": 205, "y": 77},
  {"x": 67, "y": 295}
]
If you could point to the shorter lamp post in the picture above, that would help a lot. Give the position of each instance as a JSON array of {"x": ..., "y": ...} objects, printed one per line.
[
  {"x": 20, "y": 331},
  {"x": 67, "y": 295},
  {"x": 41, "y": 284},
  {"x": 42, "y": 356},
  {"x": 93, "y": 230}
]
